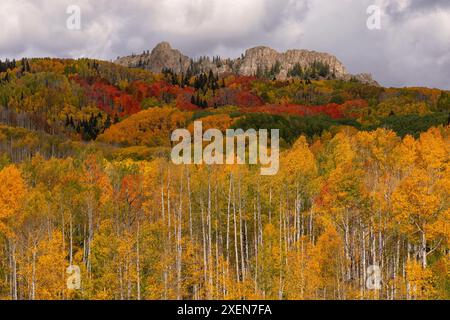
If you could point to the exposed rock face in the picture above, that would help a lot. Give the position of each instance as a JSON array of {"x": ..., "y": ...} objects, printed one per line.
[
  {"x": 364, "y": 78},
  {"x": 264, "y": 58},
  {"x": 161, "y": 57},
  {"x": 255, "y": 61}
]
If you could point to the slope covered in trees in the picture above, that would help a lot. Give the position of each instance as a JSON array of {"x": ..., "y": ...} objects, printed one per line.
[
  {"x": 86, "y": 180},
  {"x": 152, "y": 230}
]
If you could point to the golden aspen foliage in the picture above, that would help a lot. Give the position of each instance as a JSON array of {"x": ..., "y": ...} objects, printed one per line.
[
  {"x": 150, "y": 128},
  {"x": 327, "y": 262},
  {"x": 420, "y": 282},
  {"x": 50, "y": 268},
  {"x": 12, "y": 192}
]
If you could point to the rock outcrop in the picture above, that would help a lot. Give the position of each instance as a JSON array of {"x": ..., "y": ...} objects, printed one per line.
[
  {"x": 264, "y": 58},
  {"x": 261, "y": 61},
  {"x": 161, "y": 57}
]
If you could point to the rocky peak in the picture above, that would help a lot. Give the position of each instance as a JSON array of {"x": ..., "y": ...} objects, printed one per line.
[
  {"x": 161, "y": 57},
  {"x": 260, "y": 51},
  {"x": 162, "y": 47}
]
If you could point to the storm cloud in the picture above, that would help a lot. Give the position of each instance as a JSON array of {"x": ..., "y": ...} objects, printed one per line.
[{"x": 412, "y": 48}]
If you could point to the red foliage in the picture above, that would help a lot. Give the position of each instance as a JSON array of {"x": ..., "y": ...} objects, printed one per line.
[
  {"x": 228, "y": 96},
  {"x": 241, "y": 82},
  {"x": 333, "y": 110},
  {"x": 108, "y": 98},
  {"x": 124, "y": 103},
  {"x": 353, "y": 108},
  {"x": 183, "y": 103},
  {"x": 114, "y": 101},
  {"x": 157, "y": 90},
  {"x": 139, "y": 90},
  {"x": 161, "y": 90}
]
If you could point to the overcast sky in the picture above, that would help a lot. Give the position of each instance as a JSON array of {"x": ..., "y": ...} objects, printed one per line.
[{"x": 412, "y": 48}]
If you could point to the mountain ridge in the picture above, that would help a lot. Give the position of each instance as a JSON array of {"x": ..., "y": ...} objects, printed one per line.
[{"x": 261, "y": 61}]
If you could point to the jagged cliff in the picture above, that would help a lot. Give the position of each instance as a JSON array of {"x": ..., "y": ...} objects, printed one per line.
[{"x": 261, "y": 61}]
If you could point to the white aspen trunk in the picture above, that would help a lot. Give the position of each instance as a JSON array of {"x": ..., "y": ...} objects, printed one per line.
[
  {"x": 241, "y": 240},
  {"x": 33, "y": 277},
  {"x": 255, "y": 237},
  {"x": 162, "y": 201},
  {"x": 246, "y": 245},
  {"x": 364, "y": 265},
  {"x": 209, "y": 235},
  {"x": 236, "y": 251},
  {"x": 270, "y": 204},
  {"x": 423, "y": 249},
  {"x": 15, "y": 291},
  {"x": 138, "y": 265},
  {"x": 71, "y": 240},
  {"x": 90, "y": 235},
  {"x": 281, "y": 249},
  {"x": 169, "y": 220},
  {"x": 228, "y": 221},
  {"x": 205, "y": 262},
  {"x": 217, "y": 278},
  {"x": 347, "y": 246},
  {"x": 189, "y": 203},
  {"x": 179, "y": 240},
  {"x": 311, "y": 231}
]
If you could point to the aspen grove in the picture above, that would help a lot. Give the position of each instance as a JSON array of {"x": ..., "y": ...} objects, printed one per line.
[
  {"x": 154, "y": 230},
  {"x": 87, "y": 187}
]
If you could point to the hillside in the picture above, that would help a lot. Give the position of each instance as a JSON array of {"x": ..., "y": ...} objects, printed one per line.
[
  {"x": 77, "y": 100},
  {"x": 80, "y": 99},
  {"x": 87, "y": 181}
]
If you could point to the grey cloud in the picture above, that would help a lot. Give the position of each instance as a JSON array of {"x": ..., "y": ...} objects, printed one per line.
[
  {"x": 429, "y": 4},
  {"x": 399, "y": 11},
  {"x": 412, "y": 48}
]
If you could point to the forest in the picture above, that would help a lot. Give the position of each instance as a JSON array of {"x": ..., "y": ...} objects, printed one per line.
[{"x": 86, "y": 180}]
